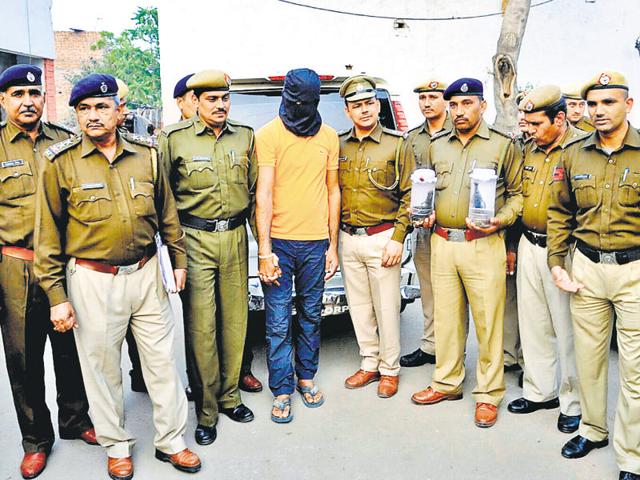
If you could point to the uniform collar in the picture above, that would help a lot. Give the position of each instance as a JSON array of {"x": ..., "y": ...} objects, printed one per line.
[
  {"x": 446, "y": 126},
  {"x": 375, "y": 134},
  {"x": 202, "y": 127},
  {"x": 123, "y": 145},
  {"x": 15, "y": 133},
  {"x": 482, "y": 132},
  {"x": 571, "y": 133},
  {"x": 631, "y": 139}
]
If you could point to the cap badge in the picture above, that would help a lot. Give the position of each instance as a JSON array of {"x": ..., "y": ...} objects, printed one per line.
[
  {"x": 103, "y": 87},
  {"x": 529, "y": 106},
  {"x": 360, "y": 88},
  {"x": 464, "y": 88},
  {"x": 433, "y": 84},
  {"x": 604, "y": 79},
  {"x": 31, "y": 77},
  {"x": 227, "y": 79}
]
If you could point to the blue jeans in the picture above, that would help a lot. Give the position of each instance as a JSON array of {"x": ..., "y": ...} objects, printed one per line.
[{"x": 303, "y": 260}]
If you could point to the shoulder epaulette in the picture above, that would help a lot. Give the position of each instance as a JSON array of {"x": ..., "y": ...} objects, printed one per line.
[
  {"x": 395, "y": 133},
  {"x": 174, "y": 127},
  {"x": 576, "y": 139},
  {"x": 344, "y": 132},
  {"x": 57, "y": 148},
  {"x": 440, "y": 134},
  {"x": 411, "y": 130},
  {"x": 237, "y": 124},
  {"x": 140, "y": 139},
  {"x": 64, "y": 128},
  {"x": 3, "y": 124},
  {"x": 504, "y": 134}
]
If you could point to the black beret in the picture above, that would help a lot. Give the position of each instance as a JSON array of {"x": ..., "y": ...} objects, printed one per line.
[
  {"x": 20, "y": 75},
  {"x": 181, "y": 87},
  {"x": 94, "y": 85},
  {"x": 464, "y": 86}
]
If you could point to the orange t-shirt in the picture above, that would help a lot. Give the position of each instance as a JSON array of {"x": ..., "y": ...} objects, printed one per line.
[{"x": 300, "y": 194}]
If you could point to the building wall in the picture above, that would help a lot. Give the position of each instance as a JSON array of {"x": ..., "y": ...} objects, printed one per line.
[
  {"x": 566, "y": 42},
  {"x": 27, "y": 28},
  {"x": 73, "y": 50}
]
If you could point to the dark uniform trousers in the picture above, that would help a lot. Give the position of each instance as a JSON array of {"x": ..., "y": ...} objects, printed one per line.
[{"x": 25, "y": 323}]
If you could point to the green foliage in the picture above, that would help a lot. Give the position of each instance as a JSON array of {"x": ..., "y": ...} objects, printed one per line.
[{"x": 133, "y": 56}]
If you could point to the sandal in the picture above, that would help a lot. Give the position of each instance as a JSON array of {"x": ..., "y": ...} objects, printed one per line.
[
  {"x": 313, "y": 391},
  {"x": 281, "y": 405}
]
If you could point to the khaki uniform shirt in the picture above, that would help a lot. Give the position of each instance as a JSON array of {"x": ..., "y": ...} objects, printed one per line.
[
  {"x": 453, "y": 162},
  {"x": 420, "y": 139},
  {"x": 210, "y": 177},
  {"x": 537, "y": 172},
  {"x": 374, "y": 158},
  {"x": 91, "y": 209},
  {"x": 595, "y": 197},
  {"x": 20, "y": 165}
]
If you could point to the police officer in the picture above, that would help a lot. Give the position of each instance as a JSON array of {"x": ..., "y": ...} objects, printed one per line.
[
  {"x": 575, "y": 108},
  {"x": 543, "y": 309},
  {"x": 102, "y": 199},
  {"x": 468, "y": 261},
  {"x": 375, "y": 168},
  {"x": 437, "y": 119},
  {"x": 596, "y": 200},
  {"x": 186, "y": 101},
  {"x": 210, "y": 162},
  {"x": 24, "y": 309}
]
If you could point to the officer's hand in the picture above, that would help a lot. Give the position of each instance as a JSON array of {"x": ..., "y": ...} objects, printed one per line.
[
  {"x": 392, "y": 253},
  {"x": 563, "y": 281},
  {"x": 269, "y": 270},
  {"x": 63, "y": 317},
  {"x": 511, "y": 262},
  {"x": 426, "y": 223},
  {"x": 494, "y": 225},
  {"x": 331, "y": 262},
  {"x": 180, "y": 276}
]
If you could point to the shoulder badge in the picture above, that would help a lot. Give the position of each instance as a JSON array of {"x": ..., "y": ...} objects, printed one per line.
[
  {"x": 504, "y": 134},
  {"x": 139, "y": 139},
  {"x": 395, "y": 133},
  {"x": 578, "y": 138},
  {"x": 64, "y": 128},
  {"x": 57, "y": 148}
]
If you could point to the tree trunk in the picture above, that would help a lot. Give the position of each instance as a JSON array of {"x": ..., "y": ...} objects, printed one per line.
[{"x": 505, "y": 61}]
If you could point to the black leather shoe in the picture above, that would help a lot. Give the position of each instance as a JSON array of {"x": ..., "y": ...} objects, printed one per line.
[
  {"x": 579, "y": 446},
  {"x": 137, "y": 382},
  {"x": 189, "y": 393},
  {"x": 568, "y": 423},
  {"x": 522, "y": 405},
  {"x": 241, "y": 413},
  {"x": 628, "y": 476},
  {"x": 512, "y": 368},
  {"x": 206, "y": 435},
  {"x": 417, "y": 358}
]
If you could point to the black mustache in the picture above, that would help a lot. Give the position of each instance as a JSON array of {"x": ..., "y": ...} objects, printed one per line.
[
  {"x": 95, "y": 124},
  {"x": 29, "y": 110}
]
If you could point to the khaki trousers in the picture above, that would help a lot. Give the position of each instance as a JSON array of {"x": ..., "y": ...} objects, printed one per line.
[
  {"x": 373, "y": 294},
  {"x": 608, "y": 287},
  {"x": 512, "y": 347},
  {"x": 546, "y": 332},
  {"x": 473, "y": 271},
  {"x": 105, "y": 305}
]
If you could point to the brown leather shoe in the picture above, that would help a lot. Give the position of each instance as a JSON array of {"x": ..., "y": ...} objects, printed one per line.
[
  {"x": 89, "y": 437},
  {"x": 361, "y": 378},
  {"x": 388, "y": 386},
  {"x": 429, "y": 396},
  {"x": 185, "y": 461},
  {"x": 486, "y": 415},
  {"x": 120, "y": 468},
  {"x": 249, "y": 383},
  {"x": 33, "y": 464}
]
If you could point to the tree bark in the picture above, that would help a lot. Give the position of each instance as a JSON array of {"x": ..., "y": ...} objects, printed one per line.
[{"x": 505, "y": 61}]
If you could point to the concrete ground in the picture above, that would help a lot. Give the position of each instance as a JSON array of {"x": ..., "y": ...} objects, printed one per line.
[{"x": 355, "y": 435}]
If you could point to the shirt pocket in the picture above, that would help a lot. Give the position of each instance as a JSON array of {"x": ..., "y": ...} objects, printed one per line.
[
  {"x": 16, "y": 180},
  {"x": 629, "y": 190},
  {"x": 142, "y": 195},
  {"x": 384, "y": 174},
  {"x": 528, "y": 179},
  {"x": 585, "y": 192},
  {"x": 90, "y": 205},
  {"x": 344, "y": 169},
  {"x": 239, "y": 169},
  {"x": 201, "y": 174},
  {"x": 443, "y": 176}
]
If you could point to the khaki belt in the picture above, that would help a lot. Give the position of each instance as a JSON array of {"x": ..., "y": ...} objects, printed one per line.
[
  {"x": 458, "y": 235},
  {"x": 18, "y": 252},
  {"x": 113, "y": 269},
  {"x": 351, "y": 230}
]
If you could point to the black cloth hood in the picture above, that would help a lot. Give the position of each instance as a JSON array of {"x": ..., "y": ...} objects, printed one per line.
[{"x": 300, "y": 99}]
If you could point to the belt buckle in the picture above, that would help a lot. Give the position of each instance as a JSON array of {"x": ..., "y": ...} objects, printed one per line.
[
  {"x": 360, "y": 231},
  {"x": 608, "y": 258},
  {"x": 127, "y": 269},
  {"x": 455, "y": 235},
  {"x": 222, "y": 226}
]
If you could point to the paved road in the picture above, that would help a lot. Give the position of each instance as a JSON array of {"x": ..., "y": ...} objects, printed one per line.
[{"x": 355, "y": 435}]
